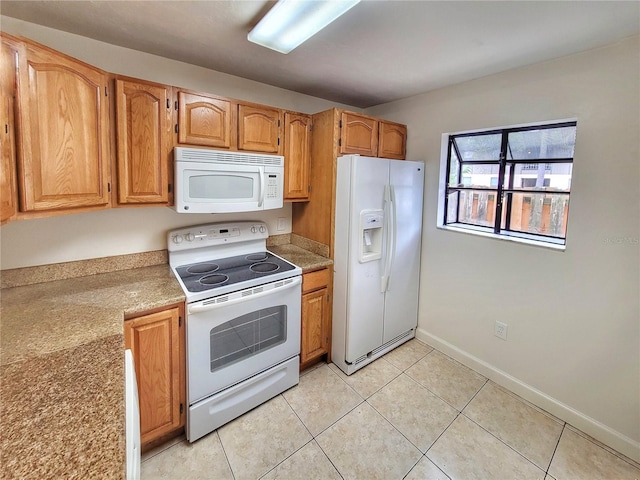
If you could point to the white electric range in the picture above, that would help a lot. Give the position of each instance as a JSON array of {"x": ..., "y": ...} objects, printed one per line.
[{"x": 242, "y": 320}]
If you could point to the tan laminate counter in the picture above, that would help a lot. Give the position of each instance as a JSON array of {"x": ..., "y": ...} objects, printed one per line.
[{"x": 62, "y": 371}]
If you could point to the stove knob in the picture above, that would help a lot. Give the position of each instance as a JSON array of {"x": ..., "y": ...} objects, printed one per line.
[
  {"x": 263, "y": 229},
  {"x": 254, "y": 229},
  {"x": 189, "y": 237},
  {"x": 177, "y": 239}
]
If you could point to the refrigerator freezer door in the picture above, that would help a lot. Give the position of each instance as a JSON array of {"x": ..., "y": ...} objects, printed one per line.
[
  {"x": 401, "y": 297},
  {"x": 365, "y": 301}
]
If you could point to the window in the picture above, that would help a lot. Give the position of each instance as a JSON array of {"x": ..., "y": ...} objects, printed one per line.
[{"x": 512, "y": 182}]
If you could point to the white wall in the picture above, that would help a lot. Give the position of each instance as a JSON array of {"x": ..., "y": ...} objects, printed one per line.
[
  {"x": 574, "y": 316},
  {"x": 121, "y": 231}
]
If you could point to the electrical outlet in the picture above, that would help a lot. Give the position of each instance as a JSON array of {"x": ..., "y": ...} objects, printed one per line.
[
  {"x": 282, "y": 224},
  {"x": 500, "y": 330}
]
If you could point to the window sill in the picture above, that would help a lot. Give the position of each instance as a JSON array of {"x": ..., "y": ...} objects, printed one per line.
[{"x": 508, "y": 238}]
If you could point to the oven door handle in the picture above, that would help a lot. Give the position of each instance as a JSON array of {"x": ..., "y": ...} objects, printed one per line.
[{"x": 199, "y": 308}]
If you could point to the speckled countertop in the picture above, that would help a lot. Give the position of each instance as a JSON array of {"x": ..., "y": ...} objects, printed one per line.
[
  {"x": 305, "y": 259},
  {"x": 62, "y": 371},
  {"x": 62, "y": 361}
]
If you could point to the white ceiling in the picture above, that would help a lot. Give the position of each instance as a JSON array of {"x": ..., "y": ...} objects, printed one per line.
[{"x": 377, "y": 52}]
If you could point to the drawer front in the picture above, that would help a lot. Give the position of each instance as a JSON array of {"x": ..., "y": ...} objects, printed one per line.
[{"x": 314, "y": 280}]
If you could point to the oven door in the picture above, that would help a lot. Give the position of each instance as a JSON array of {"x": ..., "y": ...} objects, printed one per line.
[
  {"x": 223, "y": 188},
  {"x": 233, "y": 337}
]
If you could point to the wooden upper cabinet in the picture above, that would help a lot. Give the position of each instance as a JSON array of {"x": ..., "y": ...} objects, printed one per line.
[
  {"x": 358, "y": 134},
  {"x": 206, "y": 120},
  {"x": 297, "y": 156},
  {"x": 143, "y": 141},
  {"x": 259, "y": 128},
  {"x": 11, "y": 51},
  {"x": 64, "y": 128},
  {"x": 392, "y": 140}
]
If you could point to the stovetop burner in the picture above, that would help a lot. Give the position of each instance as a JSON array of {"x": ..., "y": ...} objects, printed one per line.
[
  {"x": 203, "y": 268},
  {"x": 214, "y": 280},
  {"x": 257, "y": 257},
  {"x": 199, "y": 277},
  {"x": 264, "y": 267}
]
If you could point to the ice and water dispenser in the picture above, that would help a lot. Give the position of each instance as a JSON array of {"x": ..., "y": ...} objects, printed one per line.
[{"x": 371, "y": 223}]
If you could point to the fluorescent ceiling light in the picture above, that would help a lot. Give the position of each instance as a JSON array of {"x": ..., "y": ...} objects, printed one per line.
[{"x": 291, "y": 22}]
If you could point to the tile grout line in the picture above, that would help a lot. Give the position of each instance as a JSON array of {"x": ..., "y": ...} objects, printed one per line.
[
  {"x": 314, "y": 437},
  {"x": 458, "y": 412},
  {"x": 502, "y": 441},
  {"x": 555, "y": 449},
  {"x": 604, "y": 447},
  {"x": 226, "y": 457},
  {"x": 376, "y": 391},
  {"x": 424, "y": 455},
  {"x": 440, "y": 397}
]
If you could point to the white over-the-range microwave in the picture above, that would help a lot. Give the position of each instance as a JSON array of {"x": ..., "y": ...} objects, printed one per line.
[{"x": 216, "y": 181}]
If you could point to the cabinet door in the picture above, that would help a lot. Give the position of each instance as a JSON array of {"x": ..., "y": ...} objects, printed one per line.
[
  {"x": 315, "y": 334},
  {"x": 8, "y": 191},
  {"x": 259, "y": 128},
  {"x": 392, "y": 140},
  {"x": 205, "y": 120},
  {"x": 155, "y": 341},
  {"x": 358, "y": 134},
  {"x": 297, "y": 156},
  {"x": 144, "y": 142},
  {"x": 64, "y": 129}
]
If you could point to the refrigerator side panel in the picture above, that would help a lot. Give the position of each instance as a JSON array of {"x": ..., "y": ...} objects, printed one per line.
[
  {"x": 401, "y": 298},
  {"x": 365, "y": 305},
  {"x": 340, "y": 263}
]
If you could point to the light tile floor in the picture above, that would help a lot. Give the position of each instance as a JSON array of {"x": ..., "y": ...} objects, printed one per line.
[{"x": 414, "y": 413}]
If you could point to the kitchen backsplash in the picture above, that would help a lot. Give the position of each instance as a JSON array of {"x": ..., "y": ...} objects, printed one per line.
[{"x": 18, "y": 277}]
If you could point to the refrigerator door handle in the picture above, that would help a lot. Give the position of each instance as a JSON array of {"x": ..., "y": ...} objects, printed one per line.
[
  {"x": 389, "y": 220},
  {"x": 392, "y": 234}
]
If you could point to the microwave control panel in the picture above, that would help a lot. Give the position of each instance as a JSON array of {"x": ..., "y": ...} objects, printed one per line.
[{"x": 272, "y": 186}]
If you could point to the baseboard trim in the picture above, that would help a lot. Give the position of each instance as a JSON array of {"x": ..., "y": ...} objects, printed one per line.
[{"x": 612, "y": 438}]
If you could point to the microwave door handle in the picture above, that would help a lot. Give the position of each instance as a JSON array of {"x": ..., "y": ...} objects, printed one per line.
[
  {"x": 198, "y": 308},
  {"x": 261, "y": 196}
]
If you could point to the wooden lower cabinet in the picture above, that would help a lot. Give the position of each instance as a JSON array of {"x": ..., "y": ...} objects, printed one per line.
[
  {"x": 316, "y": 317},
  {"x": 156, "y": 340}
]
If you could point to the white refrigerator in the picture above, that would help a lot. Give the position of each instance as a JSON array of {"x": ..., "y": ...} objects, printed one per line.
[{"x": 378, "y": 230}]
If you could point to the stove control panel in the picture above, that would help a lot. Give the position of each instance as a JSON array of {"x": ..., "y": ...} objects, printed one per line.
[{"x": 214, "y": 234}]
